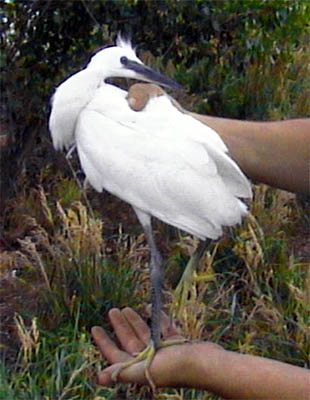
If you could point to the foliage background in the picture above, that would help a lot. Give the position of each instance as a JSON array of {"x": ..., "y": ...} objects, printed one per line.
[{"x": 242, "y": 59}]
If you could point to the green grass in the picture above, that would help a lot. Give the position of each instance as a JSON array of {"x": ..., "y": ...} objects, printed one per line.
[
  {"x": 73, "y": 265},
  {"x": 252, "y": 297}
]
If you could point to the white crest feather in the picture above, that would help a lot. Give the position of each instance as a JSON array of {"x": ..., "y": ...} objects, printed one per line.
[{"x": 124, "y": 42}]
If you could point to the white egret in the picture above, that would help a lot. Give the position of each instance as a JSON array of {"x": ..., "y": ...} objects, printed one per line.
[{"x": 163, "y": 162}]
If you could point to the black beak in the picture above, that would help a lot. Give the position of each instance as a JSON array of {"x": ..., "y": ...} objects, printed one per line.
[{"x": 148, "y": 74}]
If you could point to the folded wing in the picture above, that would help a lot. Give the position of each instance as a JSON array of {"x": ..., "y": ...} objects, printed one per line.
[{"x": 162, "y": 162}]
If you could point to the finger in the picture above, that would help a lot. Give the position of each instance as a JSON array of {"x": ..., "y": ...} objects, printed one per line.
[
  {"x": 104, "y": 378},
  {"x": 127, "y": 336},
  {"x": 166, "y": 369},
  {"x": 168, "y": 328},
  {"x": 138, "y": 325},
  {"x": 133, "y": 374},
  {"x": 151, "y": 89},
  {"x": 140, "y": 93},
  {"x": 107, "y": 347}
]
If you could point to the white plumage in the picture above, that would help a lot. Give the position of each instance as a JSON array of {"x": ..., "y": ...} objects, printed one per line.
[{"x": 163, "y": 162}]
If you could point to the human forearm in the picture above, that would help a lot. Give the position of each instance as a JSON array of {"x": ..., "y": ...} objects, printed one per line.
[
  {"x": 239, "y": 376},
  {"x": 275, "y": 153},
  {"x": 202, "y": 365}
]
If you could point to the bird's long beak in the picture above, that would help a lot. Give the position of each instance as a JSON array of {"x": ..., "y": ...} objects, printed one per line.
[{"x": 148, "y": 74}]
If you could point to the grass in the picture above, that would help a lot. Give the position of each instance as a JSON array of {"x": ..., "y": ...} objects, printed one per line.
[
  {"x": 252, "y": 295},
  {"x": 64, "y": 266}
]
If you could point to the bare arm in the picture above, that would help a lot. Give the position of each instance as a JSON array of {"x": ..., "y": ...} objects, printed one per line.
[
  {"x": 240, "y": 376},
  {"x": 202, "y": 365},
  {"x": 275, "y": 153}
]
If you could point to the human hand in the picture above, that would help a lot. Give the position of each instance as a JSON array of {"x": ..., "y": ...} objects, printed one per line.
[
  {"x": 201, "y": 365},
  {"x": 172, "y": 366},
  {"x": 140, "y": 93}
]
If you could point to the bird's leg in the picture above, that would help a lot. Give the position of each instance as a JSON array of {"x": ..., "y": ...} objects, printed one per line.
[
  {"x": 156, "y": 275},
  {"x": 185, "y": 286},
  {"x": 71, "y": 150},
  {"x": 156, "y": 264}
]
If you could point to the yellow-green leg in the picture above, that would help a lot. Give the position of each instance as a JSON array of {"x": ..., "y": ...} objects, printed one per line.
[
  {"x": 186, "y": 285},
  {"x": 146, "y": 355}
]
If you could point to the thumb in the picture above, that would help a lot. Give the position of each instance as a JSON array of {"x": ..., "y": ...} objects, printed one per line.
[
  {"x": 140, "y": 93},
  {"x": 134, "y": 373}
]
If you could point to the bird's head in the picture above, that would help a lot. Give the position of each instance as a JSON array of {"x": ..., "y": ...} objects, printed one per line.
[{"x": 121, "y": 61}]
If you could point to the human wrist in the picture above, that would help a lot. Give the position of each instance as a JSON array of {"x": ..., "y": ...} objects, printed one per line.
[{"x": 202, "y": 361}]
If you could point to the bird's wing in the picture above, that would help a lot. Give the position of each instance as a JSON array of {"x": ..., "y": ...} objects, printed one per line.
[
  {"x": 161, "y": 118},
  {"x": 191, "y": 129},
  {"x": 145, "y": 160},
  {"x": 70, "y": 97}
]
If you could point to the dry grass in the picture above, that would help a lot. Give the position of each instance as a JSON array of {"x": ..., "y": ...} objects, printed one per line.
[
  {"x": 251, "y": 295},
  {"x": 63, "y": 268}
]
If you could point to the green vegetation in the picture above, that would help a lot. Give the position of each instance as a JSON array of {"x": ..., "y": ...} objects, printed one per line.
[{"x": 65, "y": 262}]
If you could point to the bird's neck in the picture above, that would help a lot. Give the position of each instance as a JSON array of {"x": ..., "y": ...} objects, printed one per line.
[{"x": 97, "y": 73}]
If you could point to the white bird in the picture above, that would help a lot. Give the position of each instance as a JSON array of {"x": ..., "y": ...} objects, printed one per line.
[{"x": 163, "y": 162}]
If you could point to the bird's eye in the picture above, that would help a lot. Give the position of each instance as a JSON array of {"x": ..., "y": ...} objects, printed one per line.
[{"x": 124, "y": 60}]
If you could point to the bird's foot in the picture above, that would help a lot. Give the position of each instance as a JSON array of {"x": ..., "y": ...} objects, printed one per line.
[
  {"x": 70, "y": 152},
  {"x": 187, "y": 291},
  {"x": 147, "y": 355}
]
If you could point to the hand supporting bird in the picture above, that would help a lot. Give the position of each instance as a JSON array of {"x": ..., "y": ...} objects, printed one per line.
[
  {"x": 276, "y": 153},
  {"x": 201, "y": 365}
]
